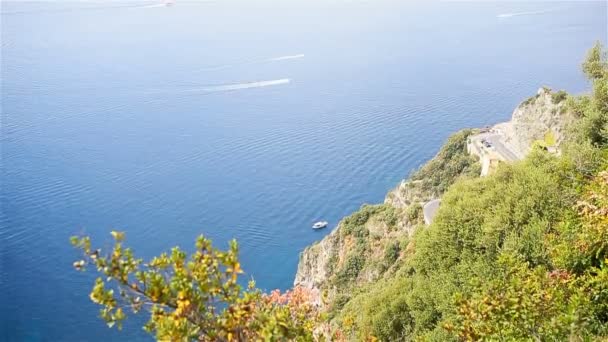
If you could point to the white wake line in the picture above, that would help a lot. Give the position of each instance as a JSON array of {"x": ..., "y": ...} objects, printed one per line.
[
  {"x": 282, "y": 58},
  {"x": 149, "y": 6},
  {"x": 239, "y": 86},
  {"x": 509, "y": 15},
  {"x": 165, "y": 4}
]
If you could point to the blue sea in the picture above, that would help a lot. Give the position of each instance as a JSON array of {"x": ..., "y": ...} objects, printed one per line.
[{"x": 238, "y": 119}]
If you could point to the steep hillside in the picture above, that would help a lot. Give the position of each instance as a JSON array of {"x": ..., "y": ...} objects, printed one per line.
[
  {"x": 521, "y": 254},
  {"x": 366, "y": 244}
]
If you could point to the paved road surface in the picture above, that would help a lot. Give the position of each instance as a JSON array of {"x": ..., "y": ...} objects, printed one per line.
[
  {"x": 500, "y": 148},
  {"x": 430, "y": 209}
]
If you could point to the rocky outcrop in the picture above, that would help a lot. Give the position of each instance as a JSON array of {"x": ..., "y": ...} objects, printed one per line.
[
  {"x": 407, "y": 193},
  {"x": 313, "y": 268},
  {"x": 542, "y": 118}
]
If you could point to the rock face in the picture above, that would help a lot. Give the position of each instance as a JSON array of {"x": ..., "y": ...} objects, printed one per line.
[
  {"x": 314, "y": 260},
  {"x": 542, "y": 117},
  {"x": 353, "y": 249},
  {"x": 406, "y": 193}
]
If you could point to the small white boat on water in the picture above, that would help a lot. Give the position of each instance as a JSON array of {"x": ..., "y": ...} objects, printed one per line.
[{"x": 319, "y": 225}]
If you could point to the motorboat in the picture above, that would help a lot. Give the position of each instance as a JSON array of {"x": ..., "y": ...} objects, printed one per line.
[{"x": 319, "y": 225}]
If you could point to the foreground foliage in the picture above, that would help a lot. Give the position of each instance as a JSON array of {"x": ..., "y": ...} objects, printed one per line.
[{"x": 194, "y": 298}]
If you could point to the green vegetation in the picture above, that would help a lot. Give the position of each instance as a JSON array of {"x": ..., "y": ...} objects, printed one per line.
[
  {"x": 592, "y": 111},
  {"x": 352, "y": 267},
  {"x": 195, "y": 298},
  {"x": 432, "y": 179},
  {"x": 451, "y": 162},
  {"x": 519, "y": 255},
  {"x": 559, "y": 96},
  {"x": 530, "y": 100},
  {"x": 550, "y": 139},
  {"x": 391, "y": 253},
  {"x": 414, "y": 212},
  {"x": 595, "y": 65},
  {"x": 355, "y": 223},
  {"x": 390, "y": 216}
]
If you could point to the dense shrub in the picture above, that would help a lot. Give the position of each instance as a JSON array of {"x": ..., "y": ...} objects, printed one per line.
[
  {"x": 389, "y": 216},
  {"x": 353, "y": 265},
  {"x": 530, "y": 100},
  {"x": 391, "y": 253},
  {"x": 414, "y": 212},
  {"x": 592, "y": 111},
  {"x": 354, "y": 223},
  {"x": 451, "y": 162},
  {"x": 559, "y": 96},
  {"x": 332, "y": 262}
]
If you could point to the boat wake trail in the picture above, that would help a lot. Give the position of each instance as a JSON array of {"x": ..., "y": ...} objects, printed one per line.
[
  {"x": 149, "y": 6},
  {"x": 510, "y": 15},
  {"x": 240, "y": 86},
  {"x": 282, "y": 58}
]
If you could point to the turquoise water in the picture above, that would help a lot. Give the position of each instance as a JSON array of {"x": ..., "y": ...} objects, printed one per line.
[{"x": 246, "y": 120}]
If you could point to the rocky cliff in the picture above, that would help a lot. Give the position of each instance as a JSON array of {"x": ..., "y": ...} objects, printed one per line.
[
  {"x": 313, "y": 266},
  {"x": 541, "y": 118}
]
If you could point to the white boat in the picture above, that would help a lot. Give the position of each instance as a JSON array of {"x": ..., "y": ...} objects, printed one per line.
[{"x": 319, "y": 225}]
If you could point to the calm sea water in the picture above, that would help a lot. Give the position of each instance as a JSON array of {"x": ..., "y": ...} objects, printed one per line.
[{"x": 247, "y": 120}]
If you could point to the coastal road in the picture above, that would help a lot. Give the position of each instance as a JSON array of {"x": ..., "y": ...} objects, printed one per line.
[
  {"x": 430, "y": 209},
  {"x": 500, "y": 148}
]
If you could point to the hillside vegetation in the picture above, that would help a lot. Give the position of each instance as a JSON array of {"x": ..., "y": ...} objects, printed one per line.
[{"x": 519, "y": 255}]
